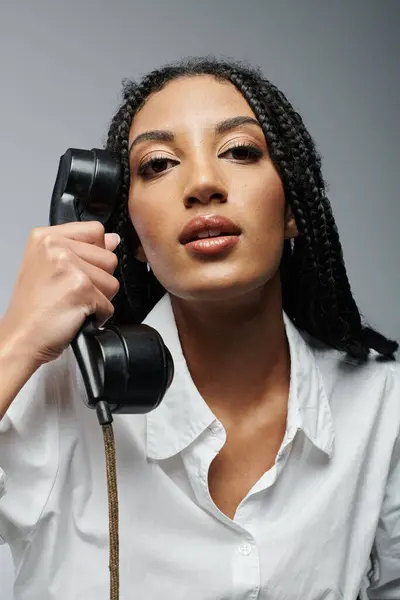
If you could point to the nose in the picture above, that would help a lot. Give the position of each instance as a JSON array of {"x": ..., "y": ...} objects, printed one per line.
[{"x": 204, "y": 184}]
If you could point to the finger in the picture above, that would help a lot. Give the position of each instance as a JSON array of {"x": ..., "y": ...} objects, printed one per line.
[
  {"x": 91, "y": 232},
  {"x": 92, "y": 254},
  {"x": 104, "y": 310},
  {"x": 107, "y": 284}
]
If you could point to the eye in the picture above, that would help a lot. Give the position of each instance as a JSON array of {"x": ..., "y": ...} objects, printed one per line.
[
  {"x": 157, "y": 164},
  {"x": 245, "y": 152}
]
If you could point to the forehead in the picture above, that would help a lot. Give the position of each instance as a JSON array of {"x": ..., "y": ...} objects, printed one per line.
[{"x": 190, "y": 101}]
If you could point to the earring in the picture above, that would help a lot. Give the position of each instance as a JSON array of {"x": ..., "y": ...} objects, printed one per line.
[{"x": 149, "y": 289}]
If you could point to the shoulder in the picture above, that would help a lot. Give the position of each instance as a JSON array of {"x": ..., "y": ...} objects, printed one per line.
[
  {"x": 370, "y": 390},
  {"x": 46, "y": 390},
  {"x": 382, "y": 370},
  {"x": 338, "y": 362}
]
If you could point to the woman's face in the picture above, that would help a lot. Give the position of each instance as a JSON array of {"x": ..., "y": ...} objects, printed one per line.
[{"x": 198, "y": 171}]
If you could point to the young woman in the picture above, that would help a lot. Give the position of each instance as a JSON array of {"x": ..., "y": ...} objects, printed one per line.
[{"x": 271, "y": 470}]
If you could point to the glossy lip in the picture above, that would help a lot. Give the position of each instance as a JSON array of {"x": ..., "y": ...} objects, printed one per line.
[
  {"x": 212, "y": 246},
  {"x": 205, "y": 223}
]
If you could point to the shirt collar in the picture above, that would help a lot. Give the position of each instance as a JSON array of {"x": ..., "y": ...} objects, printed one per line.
[{"x": 183, "y": 414}]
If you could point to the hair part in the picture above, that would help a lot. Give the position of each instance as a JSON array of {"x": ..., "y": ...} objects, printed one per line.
[{"x": 316, "y": 292}]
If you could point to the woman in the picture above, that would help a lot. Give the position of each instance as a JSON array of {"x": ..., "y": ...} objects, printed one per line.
[{"x": 272, "y": 467}]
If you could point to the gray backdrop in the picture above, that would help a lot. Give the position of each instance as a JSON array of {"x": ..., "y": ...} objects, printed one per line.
[{"x": 61, "y": 65}]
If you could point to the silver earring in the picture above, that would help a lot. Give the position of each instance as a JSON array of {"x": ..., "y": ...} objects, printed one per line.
[{"x": 148, "y": 267}]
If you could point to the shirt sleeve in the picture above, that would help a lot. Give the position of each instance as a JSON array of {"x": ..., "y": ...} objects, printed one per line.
[
  {"x": 29, "y": 442},
  {"x": 385, "y": 584}
]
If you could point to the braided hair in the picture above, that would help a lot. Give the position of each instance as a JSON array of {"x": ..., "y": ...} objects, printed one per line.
[{"x": 316, "y": 293}]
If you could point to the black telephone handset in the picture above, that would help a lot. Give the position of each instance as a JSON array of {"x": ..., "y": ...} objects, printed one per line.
[
  {"x": 129, "y": 367},
  {"x": 125, "y": 369}
]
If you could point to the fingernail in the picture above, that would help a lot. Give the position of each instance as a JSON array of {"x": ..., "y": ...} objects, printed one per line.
[{"x": 115, "y": 239}]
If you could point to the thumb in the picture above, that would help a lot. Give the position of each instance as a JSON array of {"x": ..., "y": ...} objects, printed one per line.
[{"x": 111, "y": 241}]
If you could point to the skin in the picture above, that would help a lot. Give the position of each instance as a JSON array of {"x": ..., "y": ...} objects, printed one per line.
[{"x": 228, "y": 309}]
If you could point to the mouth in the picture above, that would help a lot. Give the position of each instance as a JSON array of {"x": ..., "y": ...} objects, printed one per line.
[
  {"x": 207, "y": 228},
  {"x": 208, "y": 234}
]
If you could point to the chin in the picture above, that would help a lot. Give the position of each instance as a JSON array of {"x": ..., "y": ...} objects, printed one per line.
[{"x": 217, "y": 291}]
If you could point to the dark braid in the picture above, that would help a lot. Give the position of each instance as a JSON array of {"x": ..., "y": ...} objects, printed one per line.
[{"x": 316, "y": 292}]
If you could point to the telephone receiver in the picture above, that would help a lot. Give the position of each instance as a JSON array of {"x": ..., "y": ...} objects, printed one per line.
[{"x": 129, "y": 367}]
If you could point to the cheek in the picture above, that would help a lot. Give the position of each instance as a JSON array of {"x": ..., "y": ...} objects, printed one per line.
[
  {"x": 267, "y": 200},
  {"x": 150, "y": 217},
  {"x": 264, "y": 215}
]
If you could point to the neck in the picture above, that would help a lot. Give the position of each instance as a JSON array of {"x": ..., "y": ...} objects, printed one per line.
[{"x": 237, "y": 351}]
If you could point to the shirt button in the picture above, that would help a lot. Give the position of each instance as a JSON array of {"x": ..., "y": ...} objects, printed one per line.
[{"x": 244, "y": 549}]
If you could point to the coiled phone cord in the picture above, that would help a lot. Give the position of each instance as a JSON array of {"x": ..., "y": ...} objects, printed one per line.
[{"x": 105, "y": 419}]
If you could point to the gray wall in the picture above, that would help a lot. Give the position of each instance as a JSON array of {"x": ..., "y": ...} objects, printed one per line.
[{"x": 60, "y": 71}]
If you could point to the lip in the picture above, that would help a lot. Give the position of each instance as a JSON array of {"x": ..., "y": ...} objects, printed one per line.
[
  {"x": 206, "y": 222},
  {"x": 212, "y": 246}
]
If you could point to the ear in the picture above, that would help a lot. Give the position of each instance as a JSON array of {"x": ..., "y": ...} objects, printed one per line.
[
  {"x": 140, "y": 255},
  {"x": 291, "y": 230}
]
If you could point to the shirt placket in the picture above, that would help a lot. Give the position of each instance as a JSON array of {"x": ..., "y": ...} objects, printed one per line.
[{"x": 245, "y": 564}]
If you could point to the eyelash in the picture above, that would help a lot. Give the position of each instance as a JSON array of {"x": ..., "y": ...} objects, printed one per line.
[{"x": 256, "y": 152}]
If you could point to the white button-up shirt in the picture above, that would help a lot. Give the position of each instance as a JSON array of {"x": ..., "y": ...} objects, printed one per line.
[{"x": 305, "y": 531}]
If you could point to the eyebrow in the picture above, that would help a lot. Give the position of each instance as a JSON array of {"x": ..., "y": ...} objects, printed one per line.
[{"x": 159, "y": 135}]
